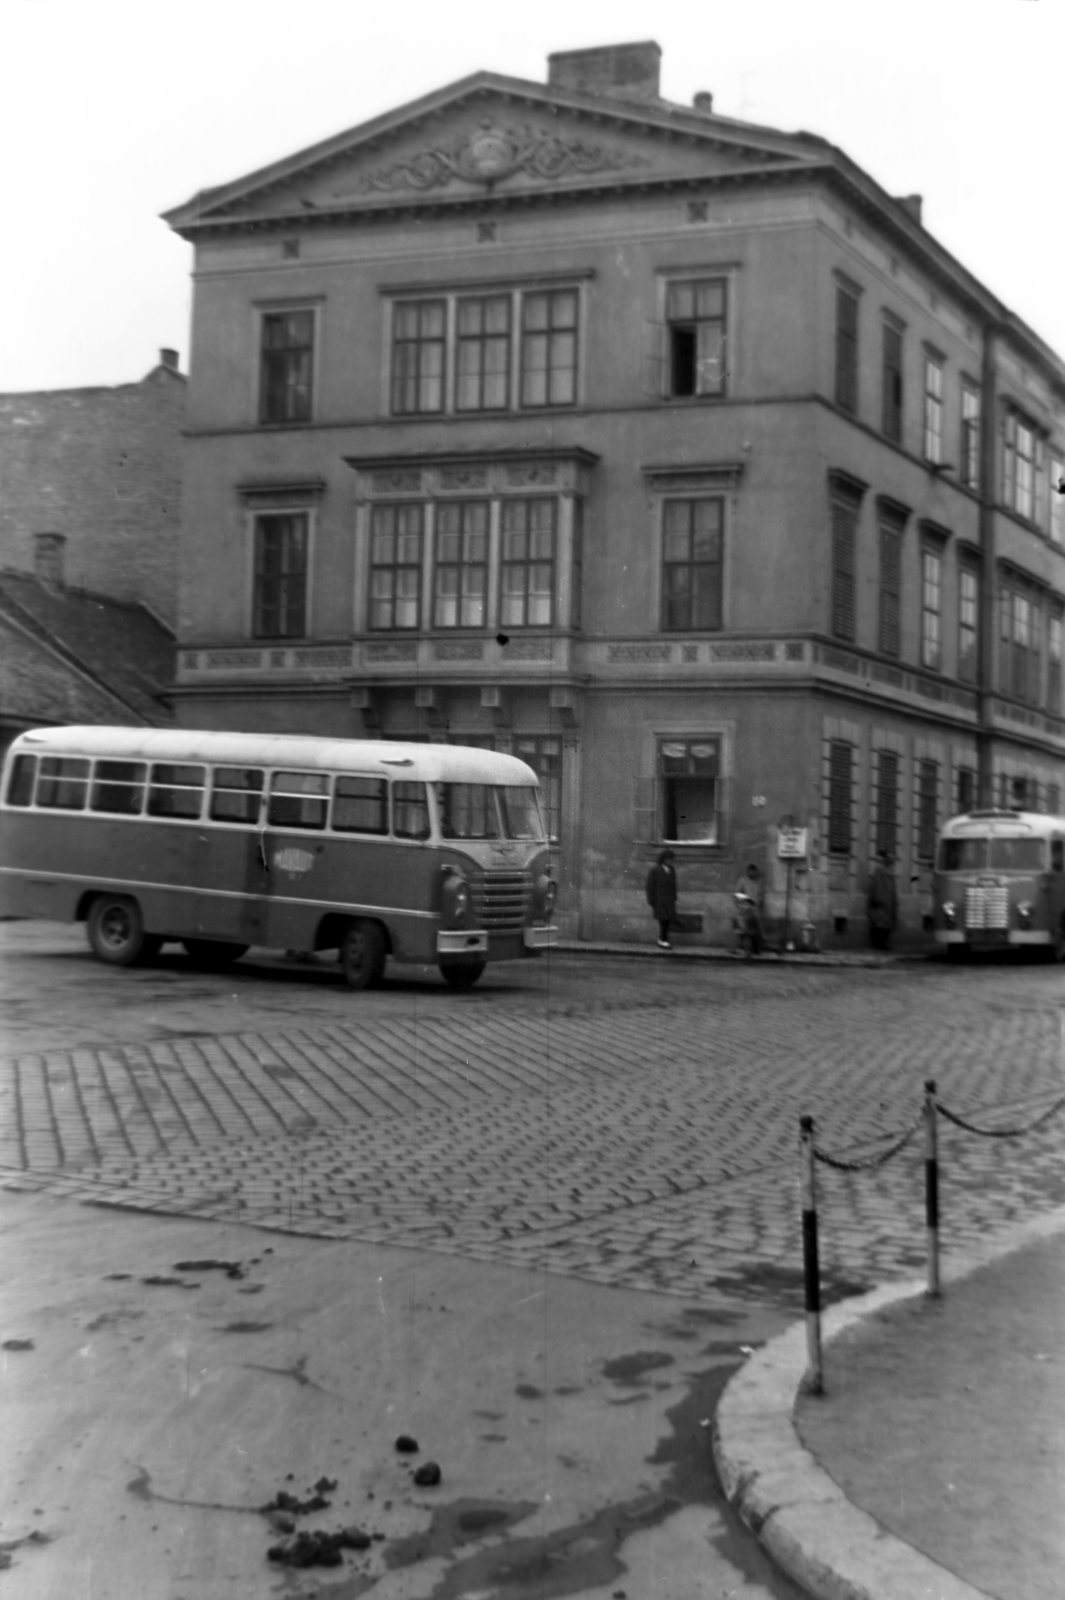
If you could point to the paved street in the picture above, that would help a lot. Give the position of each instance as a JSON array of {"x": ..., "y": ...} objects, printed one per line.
[{"x": 622, "y": 1120}]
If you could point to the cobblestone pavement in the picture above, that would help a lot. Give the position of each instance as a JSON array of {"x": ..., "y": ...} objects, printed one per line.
[{"x": 649, "y": 1142}]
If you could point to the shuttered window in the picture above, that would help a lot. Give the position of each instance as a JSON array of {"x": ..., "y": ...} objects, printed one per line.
[
  {"x": 887, "y": 803},
  {"x": 890, "y": 587},
  {"x": 891, "y": 406},
  {"x": 927, "y": 806},
  {"x": 846, "y": 349},
  {"x": 840, "y": 797},
  {"x": 844, "y": 538}
]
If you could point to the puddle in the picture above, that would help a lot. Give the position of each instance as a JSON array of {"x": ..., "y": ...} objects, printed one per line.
[
  {"x": 456, "y": 1524},
  {"x": 629, "y": 1371},
  {"x": 762, "y": 1279}
]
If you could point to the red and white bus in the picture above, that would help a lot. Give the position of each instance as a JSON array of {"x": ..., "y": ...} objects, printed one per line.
[
  {"x": 419, "y": 852},
  {"x": 1000, "y": 883}
]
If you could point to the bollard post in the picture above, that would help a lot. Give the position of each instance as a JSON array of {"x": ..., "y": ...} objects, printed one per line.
[
  {"x": 931, "y": 1186},
  {"x": 814, "y": 1380}
]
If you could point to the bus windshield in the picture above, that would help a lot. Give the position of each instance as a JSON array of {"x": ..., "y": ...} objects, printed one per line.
[
  {"x": 998, "y": 855},
  {"x": 488, "y": 811}
]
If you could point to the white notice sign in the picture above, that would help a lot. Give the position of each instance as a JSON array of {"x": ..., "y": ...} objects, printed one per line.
[{"x": 791, "y": 844}]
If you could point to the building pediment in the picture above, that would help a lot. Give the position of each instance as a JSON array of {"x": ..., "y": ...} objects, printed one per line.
[{"x": 492, "y": 138}]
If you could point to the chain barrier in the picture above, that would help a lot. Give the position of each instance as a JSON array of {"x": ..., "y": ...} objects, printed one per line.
[
  {"x": 869, "y": 1163},
  {"x": 1001, "y": 1133}
]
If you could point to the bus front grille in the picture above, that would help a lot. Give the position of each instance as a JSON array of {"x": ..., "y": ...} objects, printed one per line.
[
  {"x": 501, "y": 899},
  {"x": 987, "y": 907}
]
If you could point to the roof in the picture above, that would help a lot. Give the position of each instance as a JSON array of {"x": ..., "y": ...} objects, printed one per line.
[
  {"x": 431, "y": 763},
  {"x": 67, "y": 654}
]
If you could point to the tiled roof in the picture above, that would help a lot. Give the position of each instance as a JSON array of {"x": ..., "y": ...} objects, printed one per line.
[{"x": 66, "y": 655}]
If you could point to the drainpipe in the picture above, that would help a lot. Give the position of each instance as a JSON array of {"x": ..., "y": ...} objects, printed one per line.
[{"x": 985, "y": 671}]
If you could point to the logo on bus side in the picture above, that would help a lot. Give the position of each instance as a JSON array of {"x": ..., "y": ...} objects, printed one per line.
[{"x": 293, "y": 861}]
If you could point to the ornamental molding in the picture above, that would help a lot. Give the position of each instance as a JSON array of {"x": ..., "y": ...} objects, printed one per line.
[{"x": 489, "y": 154}]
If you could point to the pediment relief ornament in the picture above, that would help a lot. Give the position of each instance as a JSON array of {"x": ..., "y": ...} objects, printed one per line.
[{"x": 490, "y": 153}]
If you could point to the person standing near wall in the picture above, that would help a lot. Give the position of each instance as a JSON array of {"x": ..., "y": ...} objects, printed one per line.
[
  {"x": 662, "y": 895},
  {"x": 882, "y": 903}
]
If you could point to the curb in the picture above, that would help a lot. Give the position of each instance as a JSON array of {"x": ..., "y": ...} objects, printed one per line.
[
  {"x": 795, "y": 1509},
  {"x": 798, "y": 958}
]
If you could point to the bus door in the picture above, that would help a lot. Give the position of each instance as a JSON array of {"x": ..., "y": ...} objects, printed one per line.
[
  {"x": 229, "y": 875},
  {"x": 300, "y": 872}
]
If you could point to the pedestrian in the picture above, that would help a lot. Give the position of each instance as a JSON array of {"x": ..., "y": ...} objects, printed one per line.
[
  {"x": 662, "y": 895},
  {"x": 750, "y": 913},
  {"x": 882, "y": 902}
]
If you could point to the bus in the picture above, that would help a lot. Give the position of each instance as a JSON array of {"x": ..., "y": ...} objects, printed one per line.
[
  {"x": 999, "y": 883},
  {"x": 220, "y": 841}
]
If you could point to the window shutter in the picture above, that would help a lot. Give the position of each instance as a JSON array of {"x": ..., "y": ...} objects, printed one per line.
[
  {"x": 840, "y": 779},
  {"x": 844, "y": 525},
  {"x": 846, "y": 350},
  {"x": 890, "y": 576}
]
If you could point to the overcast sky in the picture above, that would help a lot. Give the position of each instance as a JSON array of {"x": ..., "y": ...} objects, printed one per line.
[{"x": 115, "y": 110}]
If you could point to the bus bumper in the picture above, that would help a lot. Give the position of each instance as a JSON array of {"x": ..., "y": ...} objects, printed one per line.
[
  {"x": 540, "y": 938},
  {"x": 462, "y": 942}
]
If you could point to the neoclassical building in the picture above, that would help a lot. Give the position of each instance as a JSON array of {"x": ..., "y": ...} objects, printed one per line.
[{"x": 666, "y": 451}]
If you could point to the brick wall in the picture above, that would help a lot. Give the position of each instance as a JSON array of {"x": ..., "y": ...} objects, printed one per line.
[{"x": 103, "y": 468}]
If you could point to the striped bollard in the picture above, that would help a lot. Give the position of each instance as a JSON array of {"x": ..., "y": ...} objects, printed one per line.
[
  {"x": 814, "y": 1380},
  {"x": 931, "y": 1186}
]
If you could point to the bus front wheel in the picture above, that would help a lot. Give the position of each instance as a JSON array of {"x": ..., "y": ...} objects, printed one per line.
[
  {"x": 116, "y": 931},
  {"x": 461, "y": 974},
  {"x": 362, "y": 954}
]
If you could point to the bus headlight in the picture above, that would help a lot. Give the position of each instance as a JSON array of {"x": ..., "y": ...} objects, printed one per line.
[
  {"x": 454, "y": 897},
  {"x": 545, "y": 891},
  {"x": 949, "y": 916},
  {"x": 1025, "y": 909}
]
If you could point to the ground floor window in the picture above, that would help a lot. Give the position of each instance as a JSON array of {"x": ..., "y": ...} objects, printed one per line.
[
  {"x": 689, "y": 790},
  {"x": 887, "y": 804},
  {"x": 544, "y": 754},
  {"x": 840, "y": 797},
  {"x": 927, "y": 807},
  {"x": 965, "y": 796}
]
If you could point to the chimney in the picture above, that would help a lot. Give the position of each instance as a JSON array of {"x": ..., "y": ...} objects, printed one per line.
[
  {"x": 48, "y": 558},
  {"x": 169, "y": 359},
  {"x": 614, "y": 71},
  {"x": 703, "y": 102},
  {"x": 912, "y": 204}
]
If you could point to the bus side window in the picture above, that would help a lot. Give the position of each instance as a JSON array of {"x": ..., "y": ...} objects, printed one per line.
[
  {"x": 20, "y": 783},
  {"x": 118, "y": 786},
  {"x": 360, "y": 805},
  {"x": 63, "y": 783},
  {"x": 1057, "y": 855},
  {"x": 298, "y": 800},
  {"x": 236, "y": 794},
  {"x": 176, "y": 791},
  {"x": 410, "y": 811}
]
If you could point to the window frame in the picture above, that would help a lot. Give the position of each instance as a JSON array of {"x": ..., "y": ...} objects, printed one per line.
[
  {"x": 839, "y": 831},
  {"x": 926, "y": 806},
  {"x": 286, "y": 607},
  {"x": 932, "y": 417},
  {"x": 693, "y": 326},
  {"x": 380, "y": 511},
  {"x": 932, "y": 605},
  {"x": 528, "y": 336},
  {"x": 529, "y": 563},
  {"x": 968, "y": 622},
  {"x": 666, "y": 805},
  {"x": 692, "y": 565},
  {"x": 970, "y": 440},
  {"x": 890, "y": 535},
  {"x": 532, "y": 748},
  {"x": 847, "y": 346},
  {"x": 886, "y": 828},
  {"x": 300, "y": 410},
  {"x": 892, "y": 392},
  {"x": 463, "y": 567},
  {"x": 481, "y": 341},
  {"x": 420, "y": 344}
]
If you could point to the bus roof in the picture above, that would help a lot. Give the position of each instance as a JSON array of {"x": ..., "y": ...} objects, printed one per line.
[
  {"x": 430, "y": 763},
  {"x": 1003, "y": 824}
]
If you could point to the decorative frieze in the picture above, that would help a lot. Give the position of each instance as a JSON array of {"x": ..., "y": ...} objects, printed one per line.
[
  {"x": 489, "y": 154},
  {"x": 634, "y": 653},
  {"x": 743, "y": 650},
  {"x": 322, "y": 656},
  {"x": 532, "y": 473},
  {"x": 528, "y": 650},
  {"x": 402, "y": 481},
  {"x": 458, "y": 650},
  {"x": 463, "y": 477},
  {"x": 391, "y": 650},
  {"x": 249, "y": 660}
]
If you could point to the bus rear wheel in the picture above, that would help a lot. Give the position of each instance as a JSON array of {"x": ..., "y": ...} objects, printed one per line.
[
  {"x": 116, "y": 931},
  {"x": 461, "y": 974},
  {"x": 213, "y": 954},
  {"x": 362, "y": 954},
  {"x": 1056, "y": 951}
]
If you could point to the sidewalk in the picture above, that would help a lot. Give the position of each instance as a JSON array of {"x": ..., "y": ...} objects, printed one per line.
[{"x": 933, "y": 1467}]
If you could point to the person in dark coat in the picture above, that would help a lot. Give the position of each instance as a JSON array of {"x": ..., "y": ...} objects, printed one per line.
[
  {"x": 882, "y": 903},
  {"x": 662, "y": 895}
]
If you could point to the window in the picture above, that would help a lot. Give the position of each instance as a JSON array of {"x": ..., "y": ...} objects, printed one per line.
[
  {"x": 692, "y": 564},
  {"x": 1022, "y": 454},
  {"x": 844, "y": 539},
  {"x": 528, "y": 563},
  {"x": 1055, "y": 644},
  {"x": 968, "y": 615},
  {"x": 461, "y": 564},
  {"x": 891, "y": 384},
  {"x": 118, "y": 786},
  {"x": 468, "y": 811},
  {"x": 840, "y": 797},
  {"x": 298, "y": 800},
  {"x": 933, "y": 408},
  {"x": 279, "y": 596},
  {"x": 695, "y": 327},
  {"x": 846, "y": 349},
  {"x": 419, "y": 329},
  {"x": 689, "y": 790},
  {"x": 1020, "y": 630},
  {"x": 482, "y": 354},
  {"x": 931, "y": 608},
  {"x": 396, "y": 566},
  {"x": 544, "y": 755},
  {"x": 176, "y": 790},
  {"x": 927, "y": 808},
  {"x": 549, "y": 348},
  {"x": 966, "y": 789},
  {"x": 410, "y": 811},
  {"x": 1057, "y": 501},
  {"x": 286, "y": 365},
  {"x": 576, "y": 590},
  {"x": 236, "y": 794},
  {"x": 360, "y": 805},
  {"x": 63, "y": 783},
  {"x": 970, "y": 435},
  {"x": 20, "y": 783},
  {"x": 890, "y": 639},
  {"x": 1054, "y": 807},
  {"x": 887, "y": 803}
]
